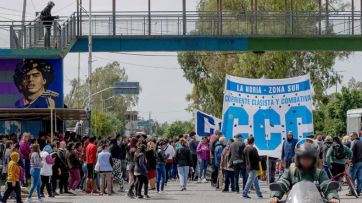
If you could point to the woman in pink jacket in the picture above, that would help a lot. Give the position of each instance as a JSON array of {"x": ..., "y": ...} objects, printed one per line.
[{"x": 203, "y": 152}]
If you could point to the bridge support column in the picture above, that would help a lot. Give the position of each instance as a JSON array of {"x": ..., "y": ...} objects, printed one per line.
[
  {"x": 352, "y": 5},
  {"x": 219, "y": 17},
  {"x": 327, "y": 16},
  {"x": 286, "y": 17},
  {"x": 149, "y": 17},
  {"x": 184, "y": 23},
  {"x": 320, "y": 17},
  {"x": 114, "y": 17},
  {"x": 256, "y": 16}
]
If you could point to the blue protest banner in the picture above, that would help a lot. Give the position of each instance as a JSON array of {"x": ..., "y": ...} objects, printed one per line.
[
  {"x": 267, "y": 109},
  {"x": 205, "y": 124}
]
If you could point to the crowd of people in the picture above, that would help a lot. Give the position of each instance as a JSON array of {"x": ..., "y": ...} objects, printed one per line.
[{"x": 76, "y": 165}]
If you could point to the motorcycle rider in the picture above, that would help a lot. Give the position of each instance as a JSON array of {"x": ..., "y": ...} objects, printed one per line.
[{"x": 305, "y": 169}]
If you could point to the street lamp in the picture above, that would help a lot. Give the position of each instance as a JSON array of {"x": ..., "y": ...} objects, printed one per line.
[
  {"x": 89, "y": 98},
  {"x": 104, "y": 102},
  {"x": 336, "y": 72}
]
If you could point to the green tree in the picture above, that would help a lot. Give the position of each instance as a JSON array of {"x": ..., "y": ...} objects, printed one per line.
[
  {"x": 206, "y": 71},
  {"x": 106, "y": 124},
  {"x": 115, "y": 106},
  {"x": 179, "y": 128},
  {"x": 330, "y": 118}
]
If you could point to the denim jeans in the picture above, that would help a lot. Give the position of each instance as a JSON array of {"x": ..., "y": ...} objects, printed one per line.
[
  {"x": 252, "y": 178},
  {"x": 203, "y": 168},
  {"x": 36, "y": 183},
  {"x": 183, "y": 173},
  {"x": 161, "y": 176},
  {"x": 356, "y": 174},
  {"x": 84, "y": 178}
]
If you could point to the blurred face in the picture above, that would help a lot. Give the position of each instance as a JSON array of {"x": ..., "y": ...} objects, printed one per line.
[
  {"x": 306, "y": 162},
  {"x": 62, "y": 145},
  {"x": 26, "y": 137},
  {"x": 33, "y": 82},
  {"x": 204, "y": 140},
  {"x": 290, "y": 136}
]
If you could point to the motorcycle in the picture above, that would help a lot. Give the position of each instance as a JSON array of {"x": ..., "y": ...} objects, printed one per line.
[{"x": 304, "y": 192}]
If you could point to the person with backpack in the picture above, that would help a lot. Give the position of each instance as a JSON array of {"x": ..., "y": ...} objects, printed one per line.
[
  {"x": 326, "y": 145},
  {"x": 337, "y": 157},
  {"x": 62, "y": 166},
  {"x": 46, "y": 171},
  {"x": 237, "y": 161},
  {"x": 227, "y": 168},
  {"x": 305, "y": 169},
  {"x": 221, "y": 144}
]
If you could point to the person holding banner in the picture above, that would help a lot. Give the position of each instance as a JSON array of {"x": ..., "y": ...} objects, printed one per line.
[{"x": 288, "y": 150}]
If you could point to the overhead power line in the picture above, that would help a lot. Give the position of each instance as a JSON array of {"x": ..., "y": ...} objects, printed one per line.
[
  {"x": 168, "y": 55},
  {"x": 66, "y": 6},
  {"x": 10, "y": 9},
  {"x": 139, "y": 65}
]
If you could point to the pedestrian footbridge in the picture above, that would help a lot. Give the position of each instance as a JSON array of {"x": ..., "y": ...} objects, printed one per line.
[{"x": 185, "y": 31}]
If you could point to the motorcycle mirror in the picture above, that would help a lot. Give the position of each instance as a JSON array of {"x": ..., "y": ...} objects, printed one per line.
[
  {"x": 333, "y": 185},
  {"x": 276, "y": 187}
]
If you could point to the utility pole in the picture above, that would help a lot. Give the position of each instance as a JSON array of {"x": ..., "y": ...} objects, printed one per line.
[
  {"x": 78, "y": 82},
  {"x": 90, "y": 49}
]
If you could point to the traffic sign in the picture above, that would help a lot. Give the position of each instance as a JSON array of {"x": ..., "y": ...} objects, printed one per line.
[{"x": 126, "y": 88}]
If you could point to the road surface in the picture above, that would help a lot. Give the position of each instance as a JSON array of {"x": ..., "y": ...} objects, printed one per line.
[{"x": 196, "y": 193}]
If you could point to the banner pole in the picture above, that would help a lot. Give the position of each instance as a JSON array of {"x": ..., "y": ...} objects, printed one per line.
[{"x": 267, "y": 169}]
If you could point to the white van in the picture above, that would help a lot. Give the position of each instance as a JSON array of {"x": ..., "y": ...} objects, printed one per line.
[{"x": 354, "y": 120}]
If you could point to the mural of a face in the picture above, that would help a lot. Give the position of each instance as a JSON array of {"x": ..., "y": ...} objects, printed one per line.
[{"x": 33, "y": 82}]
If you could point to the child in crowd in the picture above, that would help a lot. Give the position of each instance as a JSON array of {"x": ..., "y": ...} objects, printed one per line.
[{"x": 13, "y": 183}]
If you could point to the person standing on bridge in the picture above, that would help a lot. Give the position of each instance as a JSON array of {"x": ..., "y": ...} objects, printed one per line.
[{"x": 47, "y": 19}]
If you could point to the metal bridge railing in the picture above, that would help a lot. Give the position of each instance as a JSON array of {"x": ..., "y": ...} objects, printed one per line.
[
  {"x": 174, "y": 23},
  {"x": 32, "y": 34},
  {"x": 263, "y": 23}
]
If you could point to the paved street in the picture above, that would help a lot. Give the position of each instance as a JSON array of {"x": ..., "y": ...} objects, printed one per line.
[{"x": 196, "y": 193}]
